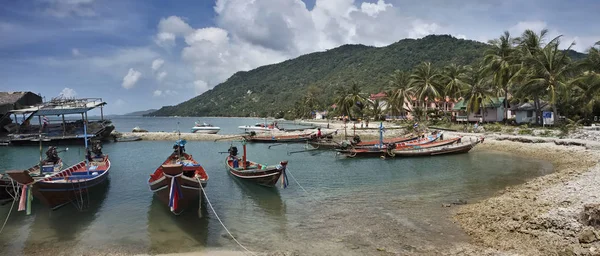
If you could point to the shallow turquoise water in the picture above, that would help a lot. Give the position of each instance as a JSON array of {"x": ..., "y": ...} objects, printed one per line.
[{"x": 124, "y": 217}]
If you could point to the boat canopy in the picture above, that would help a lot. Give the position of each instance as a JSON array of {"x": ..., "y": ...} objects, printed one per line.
[{"x": 61, "y": 108}]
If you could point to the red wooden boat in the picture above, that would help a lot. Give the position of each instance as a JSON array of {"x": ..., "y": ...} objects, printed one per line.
[
  {"x": 385, "y": 149},
  {"x": 441, "y": 150},
  {"x": 66, "y": 186},
  {"x": 386, "y": 141},
  {"x": 279, "y": 138},
  {"x": 255, "y": 172},
  {"x": 433, "y": 144},
  {"x": 177, "y": 181}
]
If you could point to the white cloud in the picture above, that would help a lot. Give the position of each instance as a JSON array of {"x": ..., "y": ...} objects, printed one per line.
[
  {"x": 64, "y": 8},
  {"x": 75, "y": 52},
  {"x": 460, "y": 36},
  {"x": 169, "y": 29},
  {"x": 421, "y": 29},
  {"x": 131, "y": 78},
  {"x": 248, "y": 34},
  {"x": 200, "y": 87},
  {"x": 521, "y": 26},
  {"x": 372, "y": 9},
  {"x": 210, "y": 34},
  {"x": 68, "y": 93},
  {"x": 161, "y": 76},
  {"x": 157, "y": 63},
  {"x": 157, "y": 93}
]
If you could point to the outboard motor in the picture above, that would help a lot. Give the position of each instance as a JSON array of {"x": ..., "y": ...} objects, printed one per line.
[
  {"x": 233, "y": 151},
  {"x": 356, "y": 139},
  {"x": 52, "y": 155},
  {"x": 97, "y": 148}
]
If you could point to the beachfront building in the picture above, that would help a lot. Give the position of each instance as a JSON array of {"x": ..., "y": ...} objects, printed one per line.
[
  {"x": 525, "y": 112},
  {"x": 492, "y": 111},
  {"x": 443, "y": 105},
  {"x": 320, "y": 114}
]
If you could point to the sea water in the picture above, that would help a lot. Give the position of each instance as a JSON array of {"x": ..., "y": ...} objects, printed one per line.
[{"x": 339, "y": 206}]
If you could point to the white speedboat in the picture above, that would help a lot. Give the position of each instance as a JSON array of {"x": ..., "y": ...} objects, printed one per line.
[
  {"x": 260, "y": 127},
  {"x": 205, "y": 128}
]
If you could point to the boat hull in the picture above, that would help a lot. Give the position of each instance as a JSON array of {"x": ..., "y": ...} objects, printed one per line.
[
  {"x": 190, "y": 190},
  {"x": 257, "y": 129},
  {"x": 69, "y": 185},
  {"x": 212, "y": 130},
  {"x": 190, "y": 178},
  {"x": 265, "y": 177},
  {"x": 447, "y": 150},
  {"x": 57, "y": 195}
]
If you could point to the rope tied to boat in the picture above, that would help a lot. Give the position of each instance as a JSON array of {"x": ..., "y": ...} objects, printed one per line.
[
  {"x": 15, "y": 198},
  {"x": 219, "y": 219},
  {"x": 310, "y": 195},
  {"x": 175, "y": 192}
]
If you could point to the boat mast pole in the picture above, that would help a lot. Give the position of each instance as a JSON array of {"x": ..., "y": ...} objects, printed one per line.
[
  {"x": 64, "y": 125},
  {"x": 40, "y": 137},
  {"x": 85, "y": 139},
  {"x": 101, "y": 112},
  {"x": 381, "y": 135},
  {"x": 178, "y": 142},
  {"x": 244, "y": 155}
]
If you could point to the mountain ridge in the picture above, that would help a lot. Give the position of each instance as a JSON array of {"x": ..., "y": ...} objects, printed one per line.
[{"x": 274, "y": 89}]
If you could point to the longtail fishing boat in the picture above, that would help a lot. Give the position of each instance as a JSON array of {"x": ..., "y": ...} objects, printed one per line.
[
  {"x": 279, "y": 138},
  {"x": 179, "y": 180},
  {"x": 458, "y": 148},
  {"x": 251, "y": 171},
  {"x": 384, "y": 149},
  {"x": 71, "y": 185},
  {"x": 433, "y": 144},
  {"x": 385, "y": 141},
  {"x": 52, "y": 164}
]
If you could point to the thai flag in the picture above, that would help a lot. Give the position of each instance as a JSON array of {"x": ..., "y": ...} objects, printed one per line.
[
  {"x": 174, "y": 194},
  {"x": 45, "y": 119}
]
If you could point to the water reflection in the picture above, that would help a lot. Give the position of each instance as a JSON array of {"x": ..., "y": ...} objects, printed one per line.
[
  {"x": 65, "y": 225},
  {"x": 171, "y": 234}
]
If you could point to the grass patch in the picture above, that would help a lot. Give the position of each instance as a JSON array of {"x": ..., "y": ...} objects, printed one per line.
[{"x": 526, "y": 131}]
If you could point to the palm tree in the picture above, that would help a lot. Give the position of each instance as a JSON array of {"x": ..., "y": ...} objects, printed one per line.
[
  {"x": 398, "y": 92},
  {"x": 349, "y": 97},
  {"x": 452, "y": 77},
  {"x": 547, "y": 72},
  {"x": 587, "y": 85},
  {"x": 503, "y": 63},
  {"x": 477, "y": 91},
  {"x": 425, "y": 82},
  {"x": 375, "y": 110},
  {"x": 342, "y": 106}
]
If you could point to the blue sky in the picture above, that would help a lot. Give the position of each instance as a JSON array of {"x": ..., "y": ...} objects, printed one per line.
[{"x": 139, "y": 54}]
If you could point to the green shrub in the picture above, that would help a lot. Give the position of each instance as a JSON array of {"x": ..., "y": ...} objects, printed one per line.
[
  {"x": 493, "y": 128},
  {"x": 546, "y": 133},
  {"x": 526, "y": 131}
]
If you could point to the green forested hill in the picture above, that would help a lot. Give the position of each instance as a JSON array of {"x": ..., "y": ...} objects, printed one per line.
[{"x": 273, "y": 89}]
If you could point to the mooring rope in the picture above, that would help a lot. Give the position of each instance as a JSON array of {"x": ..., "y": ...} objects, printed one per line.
[
  {"x": 12, "y": 182},
  {"x": 291, "y": 175},
  {"x": 219, "y": 219}
]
